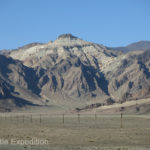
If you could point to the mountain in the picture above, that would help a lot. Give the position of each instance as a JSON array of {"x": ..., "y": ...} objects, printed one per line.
[
  {"x": 69, "y": 67},
  {"x": 71, "y": 72},
  {"x": 141, "y": 45},
  {"x": 17, "y": 84}
]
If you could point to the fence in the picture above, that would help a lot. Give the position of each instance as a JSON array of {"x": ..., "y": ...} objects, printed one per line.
[{"x": 91, "y": 120}]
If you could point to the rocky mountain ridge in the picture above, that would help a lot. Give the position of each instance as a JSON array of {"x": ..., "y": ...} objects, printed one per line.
[
  {"x": 71, "y": 69},
  {"x": 141, "y": 45}
]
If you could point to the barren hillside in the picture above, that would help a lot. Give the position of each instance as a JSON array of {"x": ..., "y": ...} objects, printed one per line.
[{"x": 70, "y": 69}]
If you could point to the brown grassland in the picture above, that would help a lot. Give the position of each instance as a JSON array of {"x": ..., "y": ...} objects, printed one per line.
[{"x": 73, "y": 131}]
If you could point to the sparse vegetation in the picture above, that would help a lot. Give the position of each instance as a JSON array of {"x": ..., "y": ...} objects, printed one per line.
[{"x": 89, "y": 134}]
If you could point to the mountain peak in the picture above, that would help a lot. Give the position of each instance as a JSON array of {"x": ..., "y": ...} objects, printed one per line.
[
  {"x": 69, "y": 39},
  {"x": 67, "y": 36}
]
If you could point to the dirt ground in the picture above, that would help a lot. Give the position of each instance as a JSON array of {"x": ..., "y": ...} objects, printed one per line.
[{"x": 76, "y": 131}]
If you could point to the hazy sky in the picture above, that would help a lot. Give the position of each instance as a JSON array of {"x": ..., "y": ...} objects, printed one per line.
[{"x": 107, "y": 22}]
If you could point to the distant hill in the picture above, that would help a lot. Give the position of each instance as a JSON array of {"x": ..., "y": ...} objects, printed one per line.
[{"x": 141, "y": 45}]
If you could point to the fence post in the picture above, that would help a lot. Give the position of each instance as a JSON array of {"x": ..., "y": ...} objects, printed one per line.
[
  {"x": 95, "y": 117},
  {"x": 121, "y": 123},
  {"x": 17, "y": 117},
  {"x": 31, "y": 118},
  {"x": 11, "y": 117},
  {"x": 23, "y": 118},
  {"x": 79, "y": 118},
  {"x": 63, "y": 118},
  {"x": 40, "y": 118}
]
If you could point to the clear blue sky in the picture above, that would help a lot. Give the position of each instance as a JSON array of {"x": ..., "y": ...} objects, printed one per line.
[{"x": 108, "y": 22}]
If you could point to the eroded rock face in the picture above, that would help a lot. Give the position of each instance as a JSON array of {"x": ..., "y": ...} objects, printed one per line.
[
  {"x": 70, "y": 68},
  {"x": 69, "y": 36}
]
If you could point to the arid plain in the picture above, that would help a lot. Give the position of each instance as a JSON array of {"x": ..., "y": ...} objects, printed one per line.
[{"x": 76, "y": 131}]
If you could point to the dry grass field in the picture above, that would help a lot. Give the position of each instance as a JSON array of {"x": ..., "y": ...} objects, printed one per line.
[{"x": 73, "y": 131}]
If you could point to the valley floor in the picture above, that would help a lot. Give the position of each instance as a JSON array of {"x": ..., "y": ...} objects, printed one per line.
[{"x": 73, "y": 131}]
